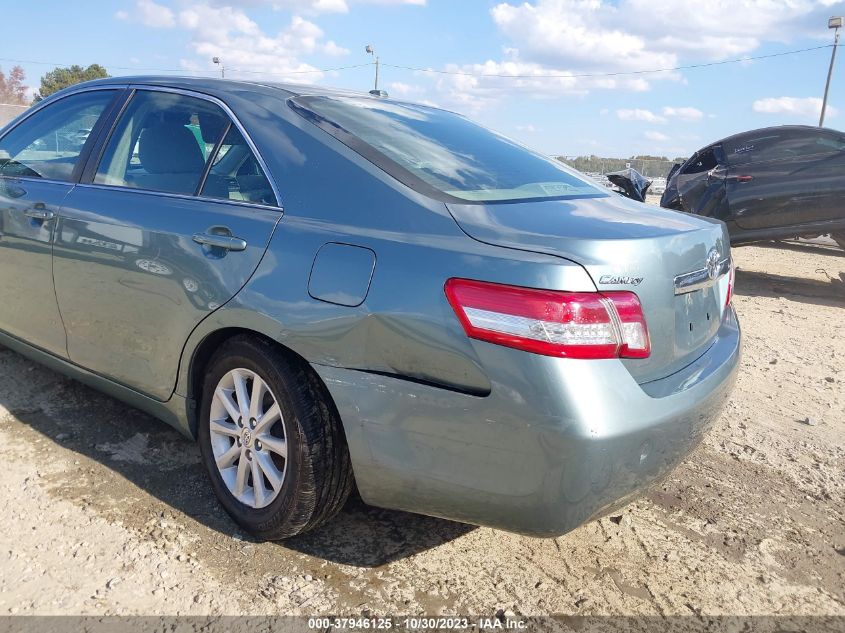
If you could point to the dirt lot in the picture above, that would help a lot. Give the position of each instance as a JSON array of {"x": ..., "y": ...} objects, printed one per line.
[{"x": 108, "y": 510}]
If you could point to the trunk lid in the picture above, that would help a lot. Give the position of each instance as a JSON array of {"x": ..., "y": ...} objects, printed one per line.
[{"x": 623, "y": 245}]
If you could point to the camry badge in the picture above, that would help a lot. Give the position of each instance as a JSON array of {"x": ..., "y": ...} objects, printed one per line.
[{"x": 620, "y": 280}]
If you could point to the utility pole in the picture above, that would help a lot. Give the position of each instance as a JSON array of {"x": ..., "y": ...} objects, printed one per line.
[
  {"x": 372, "y": 52},
  {"x": 833, "y": 23},
  {"x": 217, "y": 60}
]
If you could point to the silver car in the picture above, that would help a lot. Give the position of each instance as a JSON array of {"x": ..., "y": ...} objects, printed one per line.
[{"x": 329, "y": 290}]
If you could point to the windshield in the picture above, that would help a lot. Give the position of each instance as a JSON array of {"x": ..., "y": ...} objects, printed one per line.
[{"x": 438, "y": 152}]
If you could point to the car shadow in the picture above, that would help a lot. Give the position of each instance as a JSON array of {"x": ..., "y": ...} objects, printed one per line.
[
  {"x": 760, "y": 284},
  {"x": 139, "y": 450},
  {"x": 824, "y": 247}
]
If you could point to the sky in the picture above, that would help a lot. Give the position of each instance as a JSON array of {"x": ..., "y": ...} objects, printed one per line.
[{"x": 457, "y": 45}]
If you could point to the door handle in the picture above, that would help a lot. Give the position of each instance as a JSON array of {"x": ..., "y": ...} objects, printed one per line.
[
  {"x": 741, "y": 178},
  {"x": 39, "y": 213},
  {"x": 226, "y": 242}
]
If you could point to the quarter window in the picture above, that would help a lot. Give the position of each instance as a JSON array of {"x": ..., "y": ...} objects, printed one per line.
[
  {"x": 235, "y": 173},
  {"x": 162, "y": 142},
  {"x": 48, "y": 143}
]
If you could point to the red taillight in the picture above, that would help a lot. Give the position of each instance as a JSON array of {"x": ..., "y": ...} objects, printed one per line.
[
  {"x": 549, "y": 322},
  {"x": 730, "y": 292}
]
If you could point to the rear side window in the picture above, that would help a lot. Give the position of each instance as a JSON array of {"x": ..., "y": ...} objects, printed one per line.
[
  {"x": 752, "y": 149},
  {"x": 828, "y": 142},
  {"x": 161, "y": 143},
  {"x": 442, "y": 154},
  {"x": 783, "y": 145},
  {"x": 235, "y": 173},
  {"x": 48, "y": 143}
]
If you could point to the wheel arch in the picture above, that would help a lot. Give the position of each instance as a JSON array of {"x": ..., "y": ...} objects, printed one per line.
[{"x": 203, "y": 352}]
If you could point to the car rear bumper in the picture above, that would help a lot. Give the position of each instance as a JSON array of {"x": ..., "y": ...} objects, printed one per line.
[{"x": 556, "y": 442}]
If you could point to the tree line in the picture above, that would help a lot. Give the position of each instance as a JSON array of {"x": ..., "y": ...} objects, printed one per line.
[{"x": 14, "y": 91}]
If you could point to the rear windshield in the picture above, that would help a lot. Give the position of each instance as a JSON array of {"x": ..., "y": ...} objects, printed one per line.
[{"x": 442, "y": 154}]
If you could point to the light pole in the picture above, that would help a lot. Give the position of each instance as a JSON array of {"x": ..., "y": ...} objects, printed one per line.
[
  {"x": 833, "y": 23},
  {"x": 217, "y": 60},
  {"x": 372, "y": 52}
]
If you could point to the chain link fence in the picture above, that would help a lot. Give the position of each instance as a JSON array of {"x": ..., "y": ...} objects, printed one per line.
[
  {"x": 596, "y": 167},
  {"x": 650, "y": 168}
]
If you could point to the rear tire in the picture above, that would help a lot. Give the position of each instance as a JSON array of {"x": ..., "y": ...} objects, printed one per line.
[
  {"x": 839, "y": 238},
  {"x": 309, "y": 460}
]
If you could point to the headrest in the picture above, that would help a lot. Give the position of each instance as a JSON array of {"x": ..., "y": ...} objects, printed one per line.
[
  {"x": 168, "y": 147},
  {"x": 211, "y": 125}
]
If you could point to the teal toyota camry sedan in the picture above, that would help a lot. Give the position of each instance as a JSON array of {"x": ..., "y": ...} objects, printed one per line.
[{"x": 329, "y": 289}]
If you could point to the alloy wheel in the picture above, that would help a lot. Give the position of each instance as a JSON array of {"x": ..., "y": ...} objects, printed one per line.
[{"x": 248, "y": 438}]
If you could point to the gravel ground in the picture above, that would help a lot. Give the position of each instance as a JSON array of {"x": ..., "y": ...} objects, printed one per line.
[{"x": 109, "y": 512}]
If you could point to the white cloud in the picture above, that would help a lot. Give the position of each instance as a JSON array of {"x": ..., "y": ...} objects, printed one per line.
[
  {"x": 803, "y": 107},
  {"x": 330, "y": 48},
  {"x": 313, "y": 6},
  {"x": 598, "y": 37},
  {"x": 653, "y": 135},
  {"x": 561, "y": 33},
  {"x": 149, "y": 13},
  {"x": 530, "y": 129},
  {"x": 685, "y": 113},
  {"x": 322, "y": 6},
  {"x": 401, "y": 89},
  {"x": 477, "y": 86},
  {"x": 638, "y": 114},
  {"x": 228, "y": 33},
  {"x": 222, "y": 28},
  {"x": 649, "y": 34}
]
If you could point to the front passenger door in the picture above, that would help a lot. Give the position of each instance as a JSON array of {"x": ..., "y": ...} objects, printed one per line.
[
  {"x": 700, "y": 183},
  {"x": 39, "y": 158},
  {"x": 159, "y": 238}
]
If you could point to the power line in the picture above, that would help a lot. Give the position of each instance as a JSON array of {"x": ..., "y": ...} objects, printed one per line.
[
  {"x": 184, "y": 70},
  {"x": 615, "y": 74},
  {"x": 452, "y": 72}
]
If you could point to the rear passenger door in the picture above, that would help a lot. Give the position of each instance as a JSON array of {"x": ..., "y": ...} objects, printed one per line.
[
  {"x": 162, "y": 231},
  {"x": 768, "y": 182},
  {"x": 825, "y": 178}
]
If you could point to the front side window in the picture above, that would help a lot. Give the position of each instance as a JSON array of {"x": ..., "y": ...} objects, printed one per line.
[
  {"x": 701, "y": 162},
  {"x": 162, "y": 142},
  {"x": 48, "y": 143},
  {"x": 442, "y": 154}
]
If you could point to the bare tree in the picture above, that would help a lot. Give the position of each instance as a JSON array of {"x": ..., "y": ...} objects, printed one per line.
[{"x": 12, "y": 87}]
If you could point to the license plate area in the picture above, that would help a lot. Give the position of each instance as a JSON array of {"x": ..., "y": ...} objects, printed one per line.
[{"x": 697, "y": 317}]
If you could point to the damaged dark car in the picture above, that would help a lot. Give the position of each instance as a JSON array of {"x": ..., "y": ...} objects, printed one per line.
[{"x": 767, "y": 184}]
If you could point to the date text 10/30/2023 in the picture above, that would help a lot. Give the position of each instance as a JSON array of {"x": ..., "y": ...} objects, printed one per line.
[{"x": 417, "y": 623}]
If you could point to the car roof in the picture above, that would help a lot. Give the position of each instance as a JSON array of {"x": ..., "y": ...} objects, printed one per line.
[
  {"x": 810, "y": 129},
  {"x": 220, "y": 87}
]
